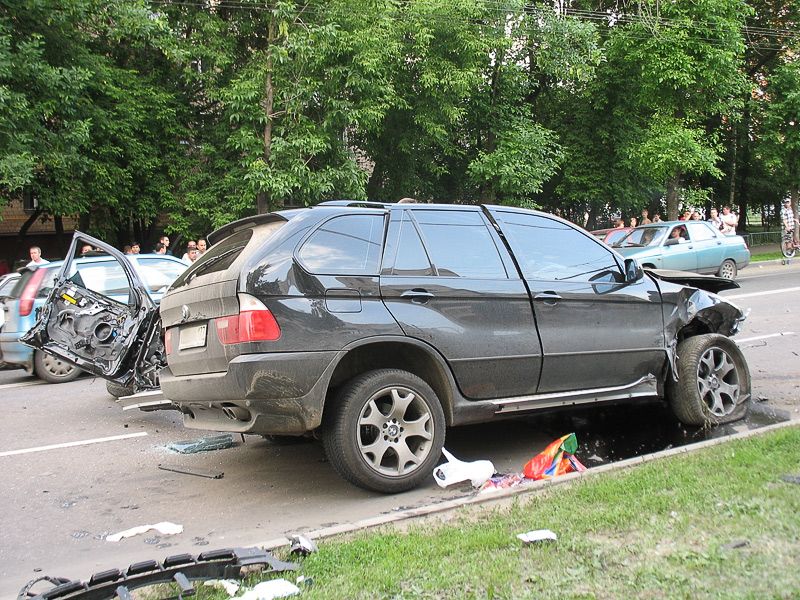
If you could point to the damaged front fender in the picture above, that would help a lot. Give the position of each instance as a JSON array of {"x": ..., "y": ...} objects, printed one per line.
[{"x": 690, "y": 311}]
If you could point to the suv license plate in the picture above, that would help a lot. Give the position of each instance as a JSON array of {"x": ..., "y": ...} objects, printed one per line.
[{"x": 192, "y": 336}]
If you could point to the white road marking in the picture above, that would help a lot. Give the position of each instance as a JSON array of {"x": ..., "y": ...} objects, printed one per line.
[
  {"x": 767, "y": 293},
  {"x": 11, "y": 386},
  {"x": 71, "y": 444},
  {"x": 764, "y": 337}
]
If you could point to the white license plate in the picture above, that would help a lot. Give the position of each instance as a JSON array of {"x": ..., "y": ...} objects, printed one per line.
[{"x": 192, "y": 336}]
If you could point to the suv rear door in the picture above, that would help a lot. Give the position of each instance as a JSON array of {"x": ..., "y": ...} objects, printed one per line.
[
  {"x": 109, "y": 337},
  {"x": 448, "y": 281}
]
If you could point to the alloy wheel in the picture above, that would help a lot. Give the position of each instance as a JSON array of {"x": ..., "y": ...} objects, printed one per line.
[
  {"x": 718, "y": 381},
  {"x": 395, "y": 430}
]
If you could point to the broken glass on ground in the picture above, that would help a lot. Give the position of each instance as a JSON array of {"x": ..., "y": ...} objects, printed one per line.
[{"x": 203, "y": 444}]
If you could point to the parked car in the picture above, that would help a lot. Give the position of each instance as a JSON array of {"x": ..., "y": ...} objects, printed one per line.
[
  {"x": 102, "y": 274},
  {"x": 686, "y": 246},
  {"x": 612, "y": 235},
  {"x": 7, "y": 283},
  {"x": 377, "y": 326}
]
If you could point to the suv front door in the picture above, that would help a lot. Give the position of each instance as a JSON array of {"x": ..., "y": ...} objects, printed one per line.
[
  {"x": 449, "y": 282},
  {"x": 102, "y": 335},
  {"x": 597, "y": 330}
]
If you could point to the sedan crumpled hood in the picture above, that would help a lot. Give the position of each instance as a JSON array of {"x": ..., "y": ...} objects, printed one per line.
[{"x": 709, "y": 283}]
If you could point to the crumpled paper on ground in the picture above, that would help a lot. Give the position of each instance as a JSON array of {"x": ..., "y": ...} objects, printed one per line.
[
  {"x": 267, "y": 590},
  {"x": 164, "y": 528}
]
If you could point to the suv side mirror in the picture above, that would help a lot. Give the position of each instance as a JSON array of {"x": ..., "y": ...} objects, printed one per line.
[{"x": 633, "y": 270}]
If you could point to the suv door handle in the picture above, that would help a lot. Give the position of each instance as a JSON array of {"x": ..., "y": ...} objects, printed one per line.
[
  {"x": 548, "y": 297},
  {"x": 417, "y": 295}
]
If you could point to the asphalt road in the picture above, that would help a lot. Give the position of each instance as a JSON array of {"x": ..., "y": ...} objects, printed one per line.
[{"x": 58, "y": 504}]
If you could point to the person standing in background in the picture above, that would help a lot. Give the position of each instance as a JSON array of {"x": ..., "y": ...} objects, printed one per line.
[
  {"x": 201, "y": 247},
  {"x": 36, "y": 257},
  {"x": 729, "y": 221}
]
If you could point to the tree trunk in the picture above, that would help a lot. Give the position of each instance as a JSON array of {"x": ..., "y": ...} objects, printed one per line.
[
  {"x": 23, "y": 232},
  {"x": 58, "y": 221},
  {"x": 263, "y": 200},
  {"x": 673, "y": 189}
]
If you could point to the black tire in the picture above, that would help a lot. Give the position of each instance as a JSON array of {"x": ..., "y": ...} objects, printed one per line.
[
  {"x": 52, "y": 369},
  {"x": 117, "y": 390},
  {"x": 379, "y": 408},
  {"x": 713, "y": 384},
  {"x": 728, "y": 269}
]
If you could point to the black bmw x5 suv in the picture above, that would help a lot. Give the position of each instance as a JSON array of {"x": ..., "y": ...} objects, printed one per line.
[{"x": 376, "y": 326}]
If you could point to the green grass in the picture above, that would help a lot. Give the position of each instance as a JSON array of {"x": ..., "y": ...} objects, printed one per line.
[
  {"x": 656, "y": 531},
  {"x": 765, "y": 256}
]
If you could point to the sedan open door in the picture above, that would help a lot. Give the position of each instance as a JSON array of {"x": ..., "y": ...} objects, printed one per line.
[{"x": 116, "y": 335}]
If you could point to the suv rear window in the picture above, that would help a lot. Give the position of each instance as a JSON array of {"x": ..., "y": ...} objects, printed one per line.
[
  {"x": 347, "y": 245},
  {"x": 221, "y": 255}
]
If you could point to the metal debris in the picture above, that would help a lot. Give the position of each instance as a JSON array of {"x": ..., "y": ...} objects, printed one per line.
[
  {"x": 193, "y": 471},
  {"x": 204, "y": 444}
]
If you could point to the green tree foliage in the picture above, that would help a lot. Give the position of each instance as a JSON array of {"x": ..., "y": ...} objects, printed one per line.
[
  {"x": 85, "y": 125},
  {"x": 200, "y": 111}
]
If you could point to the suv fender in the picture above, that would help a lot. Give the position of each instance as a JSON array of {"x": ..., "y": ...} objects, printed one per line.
[{"x": 398, "y": 352}]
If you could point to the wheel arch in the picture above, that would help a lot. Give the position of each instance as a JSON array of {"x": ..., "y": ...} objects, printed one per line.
[{"x": 407, "y": 354}]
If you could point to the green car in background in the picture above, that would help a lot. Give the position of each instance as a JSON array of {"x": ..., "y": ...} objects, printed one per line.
[{"x": 686, "y": 246}]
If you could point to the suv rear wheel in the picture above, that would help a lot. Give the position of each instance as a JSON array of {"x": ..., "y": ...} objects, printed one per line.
[
  {"x": 713, "y": 384},
  {"x": 52, "y": 369},
  {"x": 385, "y": 432}
]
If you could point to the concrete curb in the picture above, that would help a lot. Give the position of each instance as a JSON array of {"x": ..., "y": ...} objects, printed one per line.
[{"x": 533, "y": 487}]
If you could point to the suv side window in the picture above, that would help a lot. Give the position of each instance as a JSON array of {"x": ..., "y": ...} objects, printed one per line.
[
  {"x": 459, "y": 244},
  {"x": 551, "y": 251},
  {"x": 411, "y": 261},
  {"x": 346, "y": 245}
]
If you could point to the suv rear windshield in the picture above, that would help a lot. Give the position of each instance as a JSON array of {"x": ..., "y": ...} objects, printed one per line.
[{"x": 221, "y": 255}]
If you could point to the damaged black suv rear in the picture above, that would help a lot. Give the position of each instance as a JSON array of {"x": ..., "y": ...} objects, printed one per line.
[{"x": 376, "y": 326}]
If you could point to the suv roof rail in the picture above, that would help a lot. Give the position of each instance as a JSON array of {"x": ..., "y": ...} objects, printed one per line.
[{"x": 354, "y": 203}]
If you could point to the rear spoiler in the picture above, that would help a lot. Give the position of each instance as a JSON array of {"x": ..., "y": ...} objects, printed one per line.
[
  {"x": 246, "y": 223},
  {"x": 709, "y": 283}
]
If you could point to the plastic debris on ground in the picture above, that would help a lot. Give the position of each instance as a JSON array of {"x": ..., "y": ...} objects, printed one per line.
[
  {"x": 791, "y": 479},
  {"x": 502, "y": 482},
  {"x": 300, "y": 544},
  {"x": 456, "y": 471},
  {"x": 274, "y": 588},
  {"x": 164, "y": 528},
  {"x": 229, "y": 585},
  {"x": 557, "y": 459},
  {"x": 204, "y": 444},
  {"x": 539, "y": 535}
]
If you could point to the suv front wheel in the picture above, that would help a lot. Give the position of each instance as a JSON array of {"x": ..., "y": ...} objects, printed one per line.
[
  {"x": 385, "y": 431},
  {"x": 713, "y": 384}
]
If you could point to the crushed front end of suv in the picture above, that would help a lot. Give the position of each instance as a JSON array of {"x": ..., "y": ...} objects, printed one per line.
[{"x": 377, "y": 326}]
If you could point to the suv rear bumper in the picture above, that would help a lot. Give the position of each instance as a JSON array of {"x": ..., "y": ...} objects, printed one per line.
[{"x": 271, "y": 393}]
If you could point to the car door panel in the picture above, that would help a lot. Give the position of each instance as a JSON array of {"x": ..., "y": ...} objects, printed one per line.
[
  {"x": 97, "y": 333},
  {"x": 466, "y": 300},
  {"x": 596, "y": 329}
]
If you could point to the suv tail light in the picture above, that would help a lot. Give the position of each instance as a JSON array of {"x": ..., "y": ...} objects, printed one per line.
[
  {"x": 254, "y": 323},
  {"x": 28, "y": 295}
]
